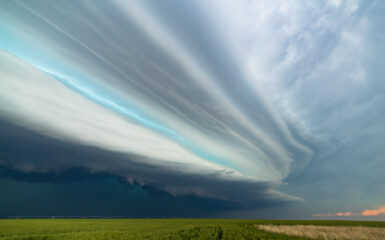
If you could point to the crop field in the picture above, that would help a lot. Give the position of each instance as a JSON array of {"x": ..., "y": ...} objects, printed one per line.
[{"x": 34, "y": 229}]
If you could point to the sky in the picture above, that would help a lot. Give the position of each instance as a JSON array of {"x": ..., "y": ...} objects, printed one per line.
[{"x": 235, "y": 108}]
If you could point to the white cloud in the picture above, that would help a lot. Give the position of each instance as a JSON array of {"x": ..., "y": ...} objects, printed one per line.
[{"x": 37, "y": 101}]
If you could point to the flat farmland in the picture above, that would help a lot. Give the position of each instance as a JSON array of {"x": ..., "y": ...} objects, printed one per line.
[{"x": 35, "y": 229}]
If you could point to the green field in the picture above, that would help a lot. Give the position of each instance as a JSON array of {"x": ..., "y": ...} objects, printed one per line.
[{"x": 151, "y": 228}]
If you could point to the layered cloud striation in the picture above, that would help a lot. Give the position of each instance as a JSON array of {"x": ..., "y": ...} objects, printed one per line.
[{"x": 220, "y": 102}]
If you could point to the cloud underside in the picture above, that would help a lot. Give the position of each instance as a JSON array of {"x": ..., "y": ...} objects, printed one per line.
[{"x": 27, "y": 153}]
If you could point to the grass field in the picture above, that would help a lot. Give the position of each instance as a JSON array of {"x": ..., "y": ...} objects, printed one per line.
[
  {"x": 34, "y": 229},
  {"x": 328, "y": 232}
]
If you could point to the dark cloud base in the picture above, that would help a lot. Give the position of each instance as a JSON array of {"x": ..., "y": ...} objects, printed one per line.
[
  {"x": 76, "y": 192},
  {"x": 38, "y": 176}
]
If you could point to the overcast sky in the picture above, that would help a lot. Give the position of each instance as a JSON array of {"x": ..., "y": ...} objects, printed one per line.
[{"x": 233, "y": 108}]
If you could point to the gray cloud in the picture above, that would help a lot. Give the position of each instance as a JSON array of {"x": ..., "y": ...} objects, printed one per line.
[
  {"x": 31, "y": 154},
  {"x": 246, "y": 95}
]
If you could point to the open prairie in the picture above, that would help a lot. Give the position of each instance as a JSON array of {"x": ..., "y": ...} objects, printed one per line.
[{"x": 36, "y": 229}]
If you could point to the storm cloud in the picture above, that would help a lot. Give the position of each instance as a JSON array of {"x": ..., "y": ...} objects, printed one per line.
[{"x": 253, "y": 103}]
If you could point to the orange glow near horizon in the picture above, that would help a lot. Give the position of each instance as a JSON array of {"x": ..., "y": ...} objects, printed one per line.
[
  {"x": 333, "y": 214},
  {"x": 374, "y": 212},
  {"x": 366, "y": 213}
]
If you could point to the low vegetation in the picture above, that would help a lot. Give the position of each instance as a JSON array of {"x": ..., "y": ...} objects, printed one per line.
[
  {"x": 57, "y": 229},
  {"x": 328, "y": 232}
]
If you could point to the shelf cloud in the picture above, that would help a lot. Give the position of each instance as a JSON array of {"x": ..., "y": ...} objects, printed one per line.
[{"x": 222, "y": 100}]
